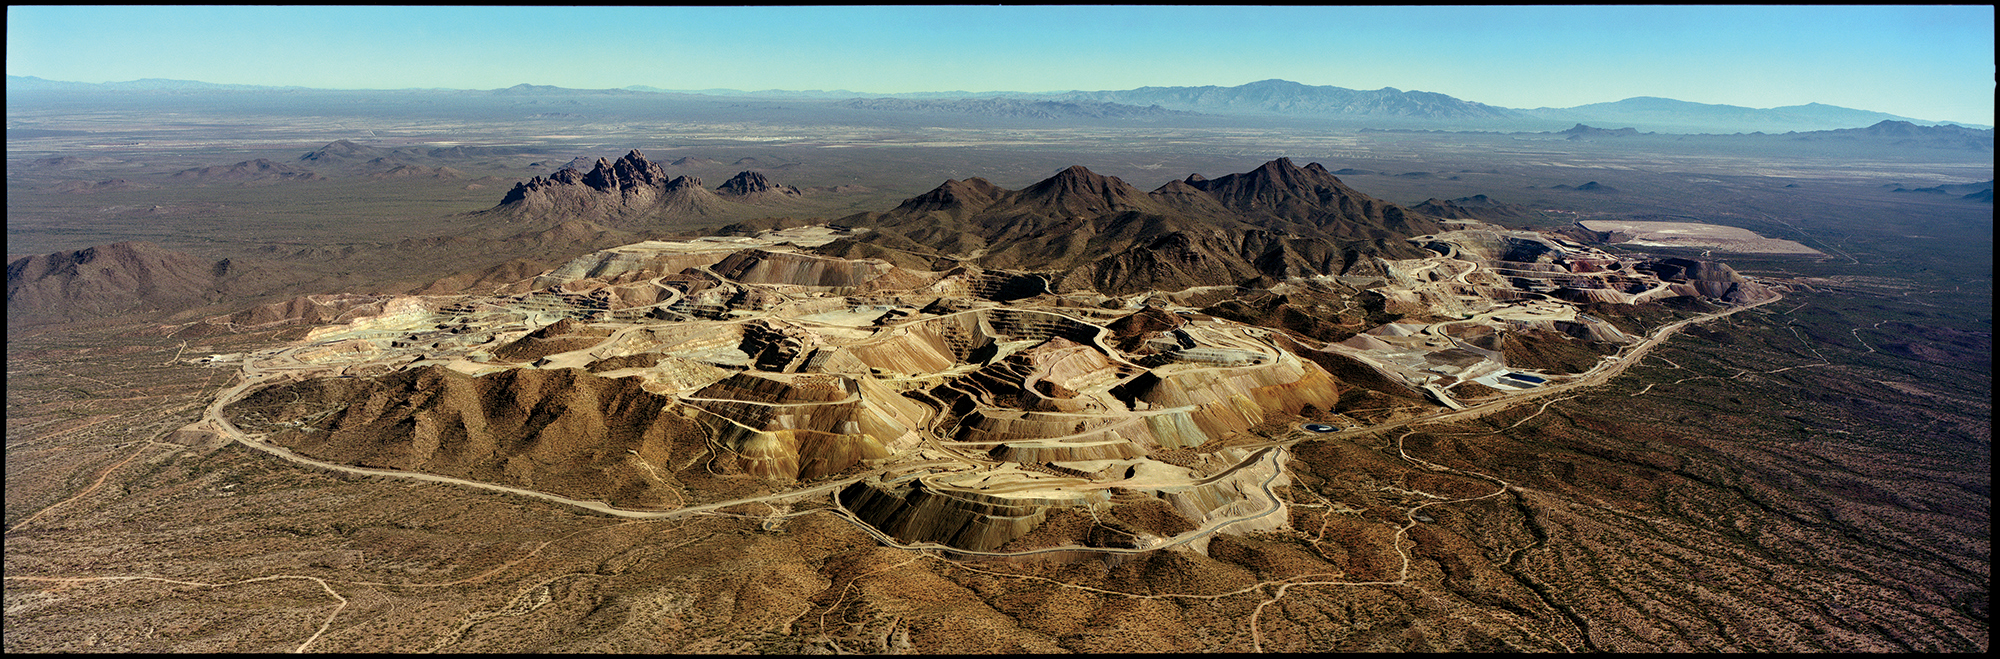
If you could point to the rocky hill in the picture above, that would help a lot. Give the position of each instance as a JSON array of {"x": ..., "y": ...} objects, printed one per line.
[
  {"x": 1277, "y": 221},
  {"x": 563, "y": 431},
  {"x": 1476, "y": 207},
  {"x": 259, "y": 170},
  {"x": 123, "y": 278},
  {"x": 633, "y": 191}
]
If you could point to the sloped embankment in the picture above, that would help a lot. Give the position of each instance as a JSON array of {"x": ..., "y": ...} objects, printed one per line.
[{"x": 562, "y": 431}]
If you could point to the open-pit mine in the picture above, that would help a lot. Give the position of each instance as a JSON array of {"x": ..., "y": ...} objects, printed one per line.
[{"x": 975, "y": 411}]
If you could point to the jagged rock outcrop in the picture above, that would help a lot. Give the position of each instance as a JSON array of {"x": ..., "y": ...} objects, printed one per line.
[{"x": 632, "y": 191}]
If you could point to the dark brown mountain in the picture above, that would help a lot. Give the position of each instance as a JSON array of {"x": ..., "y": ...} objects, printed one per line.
[
  {"x": 753, "y": 184},
  {"x": 1592, "y": 186},
  {"x": 88, "y": 187},
  {"x": 418, "y": 171},
  {"x": 560, "y": 430},
  {"x": 1476, "y": 207},
  {"x": 339, "y": 151},
  {"x": 124, "y": 279},
  {"x": 259, "y": 170},
  {"x": 1282, "y": 193},
  {"x": 1277, "y": 221}
]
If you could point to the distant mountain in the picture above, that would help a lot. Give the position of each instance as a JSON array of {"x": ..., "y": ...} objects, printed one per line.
[
  {"x": 753, "y": 186},
  {"x": 1903, "y": 133},
  {"x": 1581, "y": 131},
  {"x": 1098, "y": 232},
  {"x": 250, "y": 171},
  {"x": 832, "y": 94},
  {"x": 1476, "y": 207},
  {"x": 32, "y": 83},
  {"x": 1291, "y": 98},
  {"x": 1016, "y": 108},
  {"x": 1272, "y": 97},
  {"x": 1968, "y": 191},
  {"x": 347, "y": 154},
  {"x": 1592, "y": 186},
  {"x": 525, "y": 89},
  {"x": 633, "y": 192},
  {"x": 126, "y": 278},
  {"x": 1669, "y": 115},
  {"x": 343, "y": 150}
]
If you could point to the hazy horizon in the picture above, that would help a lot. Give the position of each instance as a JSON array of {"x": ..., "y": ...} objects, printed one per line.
[{"x": 1933, "y": 63}]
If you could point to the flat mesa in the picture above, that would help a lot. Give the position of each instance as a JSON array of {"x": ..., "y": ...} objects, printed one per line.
[{"x": 1694, "y": 235}]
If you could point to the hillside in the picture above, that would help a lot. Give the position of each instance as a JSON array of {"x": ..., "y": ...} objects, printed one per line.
[{"x": 125, "y": 278}]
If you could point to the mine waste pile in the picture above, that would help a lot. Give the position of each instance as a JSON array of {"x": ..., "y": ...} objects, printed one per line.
[{"x": 1075, "y": 367}]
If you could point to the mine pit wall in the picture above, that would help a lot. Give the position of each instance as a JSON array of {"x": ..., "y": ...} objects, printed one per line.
[
  {"x": 977, "y": 522},
  {"x": 919, "y": 348},
  {"x": 792, "y": 454},
  {"x": 787, "y": 268},
  {"x": 755, "y": 389},
  {"x": 398, "y": 313},
  {"x": 936, "y": 344},
  {"x": 610, "y": 264},
  {"x": 1201, "y": 406},
  {"x": 965, "y": 520},
  {"x": 1232, "y": 400},
  {"x": 1239, "y": 493},
  {"x": 780, "y": 439}
]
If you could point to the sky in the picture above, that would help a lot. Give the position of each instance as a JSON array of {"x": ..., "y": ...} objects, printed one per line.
[{"x": 1925, "y": 62}]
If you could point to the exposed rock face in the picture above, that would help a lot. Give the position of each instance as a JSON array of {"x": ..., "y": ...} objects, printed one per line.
[
  {"x": 802, "y": 427},
  {"x": 746, "y": 184},
  {"x": 1277, "y": 221},
  {"x": 1708, "y": 279},
  {"x": 628, "y": 191},
  {"x": 555, "y": 338}
]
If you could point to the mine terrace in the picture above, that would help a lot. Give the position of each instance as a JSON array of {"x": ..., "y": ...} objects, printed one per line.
[{"x": 970, "y": 410}]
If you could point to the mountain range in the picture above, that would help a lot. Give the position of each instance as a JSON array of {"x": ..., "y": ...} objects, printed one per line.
[
  {"x": 1098, "y": 232},
  {"x": 1267, "y": 98}
]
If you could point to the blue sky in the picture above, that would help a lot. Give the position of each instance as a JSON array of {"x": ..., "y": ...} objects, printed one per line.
[{"x": 1932, "y": 62}]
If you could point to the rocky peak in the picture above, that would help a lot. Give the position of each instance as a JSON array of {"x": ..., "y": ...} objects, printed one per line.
[
  {"x": 968, "y": 195},
  {"x": 631, "y": 171},
  {"x": 749, "y": 183},
  {"x": 1079, "y": 191}
]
